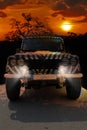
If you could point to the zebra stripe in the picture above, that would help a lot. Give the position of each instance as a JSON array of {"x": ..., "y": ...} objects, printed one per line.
[
  {"x": 56, "y": 56},
  {"x": 31, "y": 57},
  {"x": 26, "y": 57},
  {"x": 52, "y": 56},
  {"x": 48, "y": 56},
  {"x": 59, "y": 56},
  {"x": 36, "y": 57},
  {"x": 45, "y": 71},
  {"x": 33, "y": 70}
]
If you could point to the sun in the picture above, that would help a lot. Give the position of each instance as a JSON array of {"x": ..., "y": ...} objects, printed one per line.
[{"x": 66, "y": 26}]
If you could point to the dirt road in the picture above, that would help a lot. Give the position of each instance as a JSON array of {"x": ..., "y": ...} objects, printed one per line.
[{"x": 47, "y": 108}]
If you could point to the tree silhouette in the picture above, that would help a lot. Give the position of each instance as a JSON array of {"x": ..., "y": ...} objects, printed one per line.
[
  {"x": 72, "y": 34},
  {"x": 28, "y": 26}
]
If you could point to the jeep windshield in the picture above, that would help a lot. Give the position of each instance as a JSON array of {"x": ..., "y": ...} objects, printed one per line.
[{"x": 53, "y": 44}]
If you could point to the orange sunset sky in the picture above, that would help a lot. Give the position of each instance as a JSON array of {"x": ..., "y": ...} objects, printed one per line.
[{"x": 54, "y": 12}]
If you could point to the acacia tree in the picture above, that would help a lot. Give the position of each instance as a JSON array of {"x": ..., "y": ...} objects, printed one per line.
[{"x": 28, "y": 26}]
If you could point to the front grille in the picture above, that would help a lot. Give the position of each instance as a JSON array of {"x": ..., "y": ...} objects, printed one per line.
[
  {"x": 40, "y": 56},
  {"x": 44, "y": 71},
  {"x": 43, "y": 63}
]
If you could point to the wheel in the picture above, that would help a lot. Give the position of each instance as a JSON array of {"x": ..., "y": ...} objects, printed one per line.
[
  {"x": 13, "y": 88},
  {"x": 73, "y": 87}
]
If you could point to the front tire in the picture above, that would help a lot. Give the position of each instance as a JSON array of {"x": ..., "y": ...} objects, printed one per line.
[
  {"x": 13, "y": 88},
  {"x": 73, "y": 87}
]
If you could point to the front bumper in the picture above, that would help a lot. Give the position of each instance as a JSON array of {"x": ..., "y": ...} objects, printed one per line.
[{"x": 45, "y": 76}]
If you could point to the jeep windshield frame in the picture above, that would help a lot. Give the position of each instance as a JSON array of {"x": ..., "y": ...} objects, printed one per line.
[{"x": 31, "y": 44}]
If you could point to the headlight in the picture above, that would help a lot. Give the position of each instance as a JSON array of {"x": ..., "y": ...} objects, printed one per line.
[
  {"x": 62, "y": 69},
  {"x": 11, "y": 61},
  {"x": 23, "y": 71},
  {"x": 22, "y": 68}
]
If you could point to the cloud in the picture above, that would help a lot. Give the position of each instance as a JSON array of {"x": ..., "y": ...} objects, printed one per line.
[
  {"x": 6, "y": 3},
  {"x": 21, "y": 4},
  {"x": 59, "y": 5},
  {"x": 65, "y": 8},
  {"x": 70, "y": 8},
  {"x": 2, "y": 14},
  {"x": 81, "y": 20},
  {"x": 75, "y": 2},
  {"x": 73, "y": 12},
  {"x": 36, "y": 1}
]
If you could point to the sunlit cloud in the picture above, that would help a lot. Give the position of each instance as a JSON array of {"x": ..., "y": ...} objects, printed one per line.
[
  {"x": 52, "y": 12},
  {"x": 2, "y": 14}
]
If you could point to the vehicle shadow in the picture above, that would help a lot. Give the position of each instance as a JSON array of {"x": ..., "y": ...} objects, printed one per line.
[{"x": 47, "y": 105}]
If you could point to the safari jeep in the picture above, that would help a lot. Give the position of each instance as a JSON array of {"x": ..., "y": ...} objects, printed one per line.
[{"x": 42, "y": 61}]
